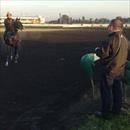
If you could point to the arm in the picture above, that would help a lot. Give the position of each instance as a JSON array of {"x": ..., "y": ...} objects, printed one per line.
[
  {"x": 103, "y": 50},
  {"x": 5, "y": 23}
]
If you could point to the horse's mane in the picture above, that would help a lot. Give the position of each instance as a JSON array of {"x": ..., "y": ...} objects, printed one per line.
[{"x": 18, "y": 25}]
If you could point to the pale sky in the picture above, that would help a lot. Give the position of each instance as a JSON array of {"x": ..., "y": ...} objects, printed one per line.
[{"x": 76, "y": 9}]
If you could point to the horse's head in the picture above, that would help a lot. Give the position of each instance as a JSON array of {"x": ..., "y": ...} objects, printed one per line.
[{"x": 18, "y": 24}]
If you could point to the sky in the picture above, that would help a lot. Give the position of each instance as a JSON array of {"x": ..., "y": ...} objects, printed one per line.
[{"x": 74, "y": 8}]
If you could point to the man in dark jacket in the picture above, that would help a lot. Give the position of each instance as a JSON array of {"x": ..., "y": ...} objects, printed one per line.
[{"x": 113, "y": 58}]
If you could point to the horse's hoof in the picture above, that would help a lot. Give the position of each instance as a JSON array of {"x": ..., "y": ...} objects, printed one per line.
[
  {"x": 11, "y": 58},
  {"x": 17, "y": 56},
  {"x": 6, "y": 64},
  {"x": 15, "y": 61}
]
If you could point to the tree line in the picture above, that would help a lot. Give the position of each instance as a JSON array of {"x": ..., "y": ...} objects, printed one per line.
[{"x": 83, "y": 20}]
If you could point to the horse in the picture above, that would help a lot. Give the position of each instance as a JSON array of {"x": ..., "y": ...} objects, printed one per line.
[{"x": 12, "y": 41}]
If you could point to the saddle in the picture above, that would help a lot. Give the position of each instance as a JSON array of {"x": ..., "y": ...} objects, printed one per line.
[{"x": 12, "y": 40}]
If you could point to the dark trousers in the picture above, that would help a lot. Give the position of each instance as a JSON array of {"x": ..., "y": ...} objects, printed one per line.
[{"x": 111, "y": 95}]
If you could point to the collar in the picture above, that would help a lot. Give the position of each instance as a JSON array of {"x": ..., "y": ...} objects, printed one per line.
[{"x": 111, "y": 34}]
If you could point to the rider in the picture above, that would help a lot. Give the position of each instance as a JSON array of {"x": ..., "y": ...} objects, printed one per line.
[
  {"x": 11, "y": 35},
  {"x": 9, "y": 27}
]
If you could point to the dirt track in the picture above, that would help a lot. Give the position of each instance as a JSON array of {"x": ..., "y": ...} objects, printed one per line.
[{"x": 40, "y": 92}]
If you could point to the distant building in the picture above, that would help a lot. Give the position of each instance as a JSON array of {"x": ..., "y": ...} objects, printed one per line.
[
  {"x": 27, "y": 20},
  {"x": 64, "y": 19}
]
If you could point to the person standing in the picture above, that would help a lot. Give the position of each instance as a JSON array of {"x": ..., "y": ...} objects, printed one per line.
[{"x": 113, "y": 56}]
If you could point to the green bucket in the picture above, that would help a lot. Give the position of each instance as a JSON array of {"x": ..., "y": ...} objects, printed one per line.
[
  {"x": 86, "y": 63},
  {"x": 88, "y": 60}
]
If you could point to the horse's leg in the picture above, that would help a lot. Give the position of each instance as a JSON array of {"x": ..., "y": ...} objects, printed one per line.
[
  {"x": 7, "y": 55},
  {"x": 16, "y": 54},
  {"x": 11, "y": 53},
  {"x": 16, "y": 47}
]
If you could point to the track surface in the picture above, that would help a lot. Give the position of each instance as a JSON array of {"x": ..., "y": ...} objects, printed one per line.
[{"x": 40, "y": 92}]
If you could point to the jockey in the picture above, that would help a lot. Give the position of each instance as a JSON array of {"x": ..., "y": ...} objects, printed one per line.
[{"x": 9, "y": 27}]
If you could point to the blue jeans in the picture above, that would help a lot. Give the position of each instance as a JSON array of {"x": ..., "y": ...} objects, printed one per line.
[{"x": 111, "y": 94}]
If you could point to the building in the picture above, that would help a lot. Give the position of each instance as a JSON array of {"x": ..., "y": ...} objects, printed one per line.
[
  {"x": 64, "y": 19},
  {"x": 27, "y": 20}
]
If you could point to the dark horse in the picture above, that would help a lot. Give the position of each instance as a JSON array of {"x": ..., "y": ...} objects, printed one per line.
[{"x": 12, "y": 41}]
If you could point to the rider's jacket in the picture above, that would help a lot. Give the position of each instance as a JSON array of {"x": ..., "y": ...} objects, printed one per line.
[
  {"x": 9, "y": 24},
  {"x": 114, "y": 54},
  {"x": 9, "y": 27}
]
